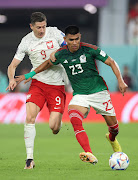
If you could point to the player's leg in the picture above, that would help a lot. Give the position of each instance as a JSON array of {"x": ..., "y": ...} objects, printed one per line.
[
  {"x": 55, "y": 121},
  {"x": 102, "y": 103},
  {"x": 113, "y": 129},
  {"x": 76, "y": 114},
  {"x": 56, "y": 104},
  {"x": 34, "y": 103},
  {"x": 32, "y": 111}
]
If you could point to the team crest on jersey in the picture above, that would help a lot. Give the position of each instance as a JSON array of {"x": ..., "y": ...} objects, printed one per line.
[
  {"x": 102, "y": 53},
  {"x": 28, "y": 96},
  {"x": 83, "y": 58},
  {"x": 49, "y": 44}
]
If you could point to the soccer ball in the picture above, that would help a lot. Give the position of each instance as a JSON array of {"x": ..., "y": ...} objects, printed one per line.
[{"x": 119, "y": 161}]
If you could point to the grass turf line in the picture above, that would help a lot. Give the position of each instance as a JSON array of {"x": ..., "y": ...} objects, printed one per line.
[{"x": 57, "y": 156}]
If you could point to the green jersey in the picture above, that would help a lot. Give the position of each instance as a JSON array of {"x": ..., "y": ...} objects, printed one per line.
[{"x": 81, "y": 68}]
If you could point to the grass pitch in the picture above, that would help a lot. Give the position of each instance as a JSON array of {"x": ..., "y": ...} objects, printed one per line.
[{"x": 57, "y": 156}]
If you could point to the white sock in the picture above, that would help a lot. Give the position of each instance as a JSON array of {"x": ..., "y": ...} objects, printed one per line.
[
  {"x": 61, "y": 125},
  {"x": 29, "y": 137}
]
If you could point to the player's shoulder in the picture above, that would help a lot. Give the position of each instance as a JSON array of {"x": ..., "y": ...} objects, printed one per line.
[
  {"x": 87, "y": 45},
  {"x": 64, "y": 48},
  {"x": 27, "y": 37},
  {"x": 52, "y": 29}
]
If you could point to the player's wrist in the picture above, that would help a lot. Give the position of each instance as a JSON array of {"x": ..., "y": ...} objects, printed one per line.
[{"x": 30, "y": 74}]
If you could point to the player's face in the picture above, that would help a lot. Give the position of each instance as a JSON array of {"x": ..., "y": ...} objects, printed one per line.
[
  {"x": 39, "y": 29},
  {"x": 73, "y": 41}
]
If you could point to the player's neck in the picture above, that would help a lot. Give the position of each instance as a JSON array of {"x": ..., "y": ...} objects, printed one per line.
[{"x": 73, "y": 51}]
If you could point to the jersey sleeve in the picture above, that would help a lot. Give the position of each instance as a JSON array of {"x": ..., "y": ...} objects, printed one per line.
[
  {"x": 59, "y": 35},
  {"x": 21, "y": 50},
  {"x": 100, "y": 55}
]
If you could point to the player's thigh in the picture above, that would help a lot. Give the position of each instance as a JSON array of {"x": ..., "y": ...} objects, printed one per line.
[
  {"x": 56, "y": 100},
  {"x": 80, "y": 103},
  {"x": 36, "y": 94},
  {"x": 110, "y": 120},
  {"x": 102, "y": 103},
  {"x": 32, "y": 111},
  {"x": 55, "y": 120}
]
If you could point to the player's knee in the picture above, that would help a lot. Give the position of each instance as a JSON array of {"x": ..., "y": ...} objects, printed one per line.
[
  {"x": 76, "y": 118},
  {"x": 55, "y": 129},
  {"x": 30, "y": 119}
]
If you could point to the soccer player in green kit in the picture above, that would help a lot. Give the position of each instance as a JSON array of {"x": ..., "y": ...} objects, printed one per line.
[{"x": 89, "y": 88}]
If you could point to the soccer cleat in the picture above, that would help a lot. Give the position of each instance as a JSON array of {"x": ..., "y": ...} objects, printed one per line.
[
  {"x": 115, "y": 144},
  {"x": 88, "y": 157},
  {"x": 29, "y": 164}
]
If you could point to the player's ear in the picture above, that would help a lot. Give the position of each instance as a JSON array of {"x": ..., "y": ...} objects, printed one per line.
[
  {"x": 31, "y": 26},
  {"x": 80, "y": 36},
  {"x": 65, "y": 38}
]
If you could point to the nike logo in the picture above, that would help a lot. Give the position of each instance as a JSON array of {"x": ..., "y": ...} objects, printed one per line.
[
  {"x": 65, "y": 61},
  {"x": 57, "y": 107},
  {"x": 26, "y": 137}
]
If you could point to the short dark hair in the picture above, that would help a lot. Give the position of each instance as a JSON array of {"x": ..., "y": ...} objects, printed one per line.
[
  {"x": 72, "y": 30},
  {"x": 37, "y": 17}
]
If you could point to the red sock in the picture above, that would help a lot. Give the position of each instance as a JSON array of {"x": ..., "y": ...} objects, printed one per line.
[
  {"x": 76, "y": 118},
  {"x": 114, "y": 130}
]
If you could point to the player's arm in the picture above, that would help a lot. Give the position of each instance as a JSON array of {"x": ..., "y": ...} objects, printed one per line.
[
  {"x": 122, "y": 85},
  {"x": 45, "y": 65},
  {"x": 11, "y": 73}
]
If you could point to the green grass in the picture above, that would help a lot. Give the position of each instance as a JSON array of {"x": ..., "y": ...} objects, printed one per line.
[{"x": 57, "y": 156}]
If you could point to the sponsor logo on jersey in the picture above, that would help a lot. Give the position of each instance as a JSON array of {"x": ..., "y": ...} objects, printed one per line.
[
  {"x": 57, "y": 107},
  {"x": 83, "y": 58},
  {"x": 102, "y": 53},
  {"x": 73, "y": 60},
  {"x": 65, "y": 61},
  {"x": 49, "y": 44}
]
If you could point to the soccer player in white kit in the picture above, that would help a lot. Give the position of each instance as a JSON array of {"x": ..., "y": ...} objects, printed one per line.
[{"x": 47, "y": 86}]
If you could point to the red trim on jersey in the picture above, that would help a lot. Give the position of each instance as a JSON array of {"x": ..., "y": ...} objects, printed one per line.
[
  {"x": 104, "y": 82},
  {"x": 101, "y": 76},
  {"x": 88, "y": 45},
  {"x": 96, "y": 66},
  {"x": 60, "y": 49}
]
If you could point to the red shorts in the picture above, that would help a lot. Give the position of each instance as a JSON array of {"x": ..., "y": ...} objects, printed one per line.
[{"x": 53, "y": 95}]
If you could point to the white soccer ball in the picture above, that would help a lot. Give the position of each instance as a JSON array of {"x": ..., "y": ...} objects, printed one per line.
[{"x": 119, "y": 161}]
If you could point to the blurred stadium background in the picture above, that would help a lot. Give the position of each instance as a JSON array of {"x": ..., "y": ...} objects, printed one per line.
[
  {"x": 113, "y": 26},
  {"x": 110, "y": 24}
]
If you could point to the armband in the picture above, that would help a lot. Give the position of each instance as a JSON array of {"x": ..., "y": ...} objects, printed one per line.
[{"x": 30, "y": 74}]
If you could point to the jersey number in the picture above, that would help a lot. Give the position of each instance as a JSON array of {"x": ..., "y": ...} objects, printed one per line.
[
  {"x": 74, "y": 67},
  {"x": 108, "y": 104},
  {"x": 43, "y": 53},
  {"x": 58, "y": 100}
]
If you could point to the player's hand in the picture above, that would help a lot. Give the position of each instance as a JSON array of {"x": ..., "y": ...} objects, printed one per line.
[
  {"x": 20, "y": 78},
  {"x": 122, "y": 87},
  {"x": 26, "y": 81},
  {"x": 52, "y": 56},
  {"x": 12, "y": 85}
]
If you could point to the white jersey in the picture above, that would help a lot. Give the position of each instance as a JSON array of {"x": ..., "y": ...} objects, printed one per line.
[{"x": 39, "y": 50}]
